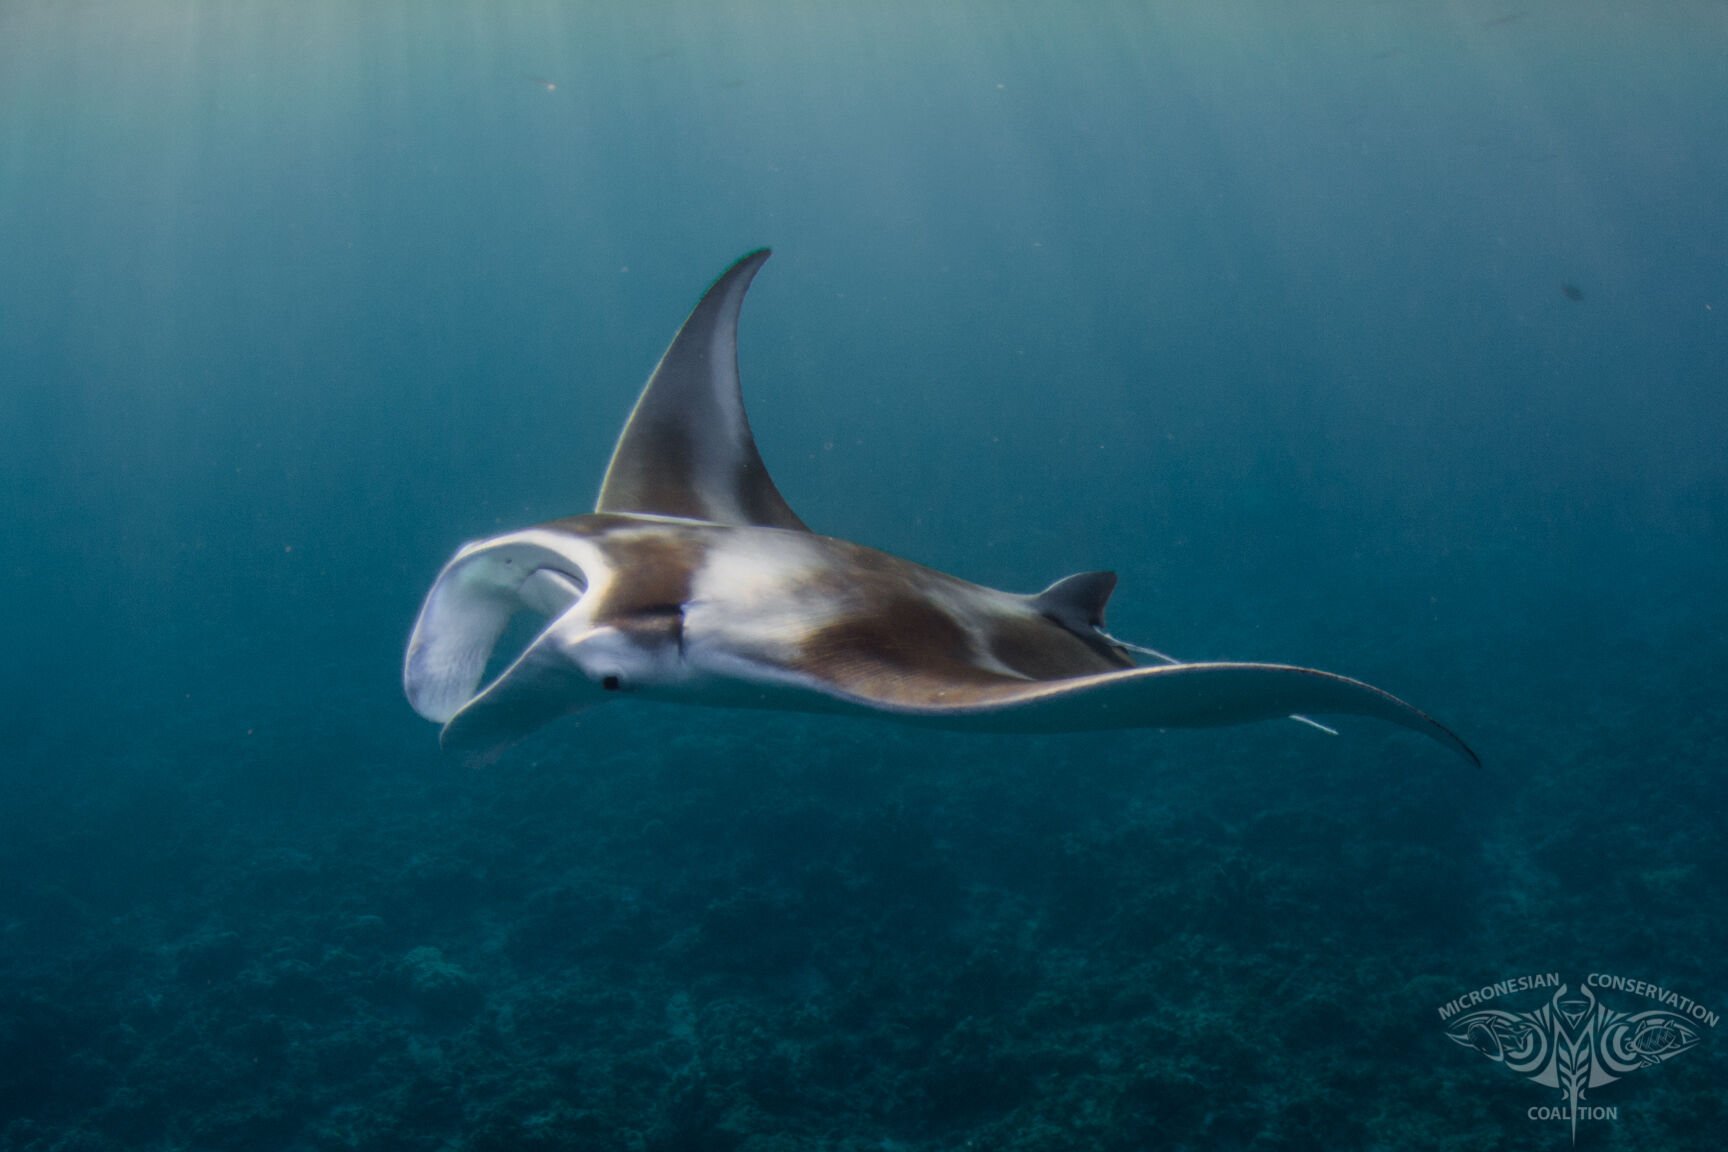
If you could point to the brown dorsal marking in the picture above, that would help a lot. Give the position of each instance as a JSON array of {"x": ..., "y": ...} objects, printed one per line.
[
  {"x": 901, "y": 648},
  {"x": 653, "y": 565}
]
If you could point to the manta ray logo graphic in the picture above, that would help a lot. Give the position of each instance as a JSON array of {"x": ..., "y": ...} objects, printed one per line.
[{"x": 1575, "y": 1043}]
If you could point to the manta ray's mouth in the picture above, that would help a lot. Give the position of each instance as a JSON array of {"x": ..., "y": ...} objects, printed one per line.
[
  {"x": 543, "y": 597},
  {"x": 485, "y": 595}
]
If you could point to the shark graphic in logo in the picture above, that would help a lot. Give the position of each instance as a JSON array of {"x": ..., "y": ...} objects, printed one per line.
[{"x": 1574, "y": 1043}]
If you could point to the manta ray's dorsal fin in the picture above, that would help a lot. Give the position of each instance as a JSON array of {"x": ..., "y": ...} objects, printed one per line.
[
  {"x": 1077, "y": 602},
  {"x": 686, "y": 449}
]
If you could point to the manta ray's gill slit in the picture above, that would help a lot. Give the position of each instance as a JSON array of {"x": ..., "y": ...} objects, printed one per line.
[{"x": 666, "y": 618}]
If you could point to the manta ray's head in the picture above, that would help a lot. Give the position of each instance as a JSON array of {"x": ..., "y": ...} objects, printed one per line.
[
  {"x": 476, "y": 596},
  {"x": 579, "y": 654}
]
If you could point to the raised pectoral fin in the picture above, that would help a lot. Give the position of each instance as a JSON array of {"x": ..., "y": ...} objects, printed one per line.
[{"x": 687, "y": 449}]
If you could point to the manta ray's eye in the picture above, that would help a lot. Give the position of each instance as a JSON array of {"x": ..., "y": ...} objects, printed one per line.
[{"x": 611, "y": 683}]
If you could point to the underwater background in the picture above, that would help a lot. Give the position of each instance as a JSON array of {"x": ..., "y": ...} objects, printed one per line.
[{"x": 1390, "y": 338}]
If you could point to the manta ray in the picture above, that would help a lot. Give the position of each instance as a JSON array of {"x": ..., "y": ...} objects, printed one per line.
[{"x": 694, "y": 582}]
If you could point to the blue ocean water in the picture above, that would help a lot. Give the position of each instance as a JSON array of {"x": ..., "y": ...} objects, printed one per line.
[{"x": 1390, "y": 339}]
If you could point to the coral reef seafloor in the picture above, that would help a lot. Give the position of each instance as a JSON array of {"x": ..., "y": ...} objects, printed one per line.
[{"x": 669, "y": 931}]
